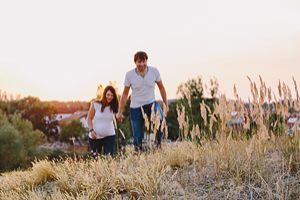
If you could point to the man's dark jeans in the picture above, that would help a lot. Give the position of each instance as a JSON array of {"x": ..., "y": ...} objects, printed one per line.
[{"x": 138, "y": 123}]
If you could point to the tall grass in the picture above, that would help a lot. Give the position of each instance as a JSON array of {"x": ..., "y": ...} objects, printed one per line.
[{"x": 264, "y": 165}]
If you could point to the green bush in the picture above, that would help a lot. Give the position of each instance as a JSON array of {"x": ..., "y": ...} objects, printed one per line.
[
  {"x": 18, "y": 142},
  {"x": 31, "y": 137},
  {"x": 12, "y": 151},
  {"x": 73, "y": 129}
]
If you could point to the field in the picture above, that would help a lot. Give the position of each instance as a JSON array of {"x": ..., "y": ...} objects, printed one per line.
[{"x": 230, "y": 166}]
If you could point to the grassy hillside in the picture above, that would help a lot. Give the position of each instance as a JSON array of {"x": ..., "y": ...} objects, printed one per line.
[
  {"x": 255, "y": 158},
  {"x": 226, "y": 168}
]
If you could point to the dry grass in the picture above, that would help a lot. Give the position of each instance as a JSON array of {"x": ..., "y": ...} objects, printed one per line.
[
  {"x": 218, "y": 169},
  {"x": 267, "y": 166}
]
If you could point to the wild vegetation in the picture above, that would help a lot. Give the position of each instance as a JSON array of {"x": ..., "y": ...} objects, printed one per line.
[{"x": 255, "y": 159}]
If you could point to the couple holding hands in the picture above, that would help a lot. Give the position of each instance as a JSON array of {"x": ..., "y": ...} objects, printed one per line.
[{"x": 141, "y": 80}]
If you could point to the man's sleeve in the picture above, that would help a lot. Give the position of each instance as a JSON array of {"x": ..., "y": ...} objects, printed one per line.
[
  {"x": 127, "y": 81},
  {"x": 157, "y": 75}
]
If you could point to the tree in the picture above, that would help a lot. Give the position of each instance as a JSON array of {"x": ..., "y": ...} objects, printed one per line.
[
  {"x": 41, "y": 115},
  {"x": 191, "y": 94},
  {"x": 31, "y": 138},
  {"x": 18, "y": 141},
  {"x": 214, "y": 87},
  {"x": 73, "y": 129},
  {"x": 193, "y": 89},
  {"x": 173, "y": 126},
  {"x": 12, "y": 151}
]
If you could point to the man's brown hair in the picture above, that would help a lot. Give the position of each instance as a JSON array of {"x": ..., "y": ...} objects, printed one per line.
[{"x": 140, "y": 55}]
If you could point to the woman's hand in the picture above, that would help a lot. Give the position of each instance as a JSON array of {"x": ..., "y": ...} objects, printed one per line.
[
  {"x": 120, "y": 117},
  {"x": 93, "y": 134}
]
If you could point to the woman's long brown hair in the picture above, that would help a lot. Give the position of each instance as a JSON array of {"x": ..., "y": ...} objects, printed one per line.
[{"x": 114, "y": 104}]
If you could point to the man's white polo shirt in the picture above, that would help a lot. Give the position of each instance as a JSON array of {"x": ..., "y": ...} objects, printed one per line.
[{"x": 142, "y": 87}]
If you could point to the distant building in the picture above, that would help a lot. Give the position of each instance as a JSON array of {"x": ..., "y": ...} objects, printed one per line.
[
  {"x": 62, "y": 116},
  {"x": 293, "y": 122},
  {"x": 236, "y": 121},
  {"x": 78, "y": 115}
]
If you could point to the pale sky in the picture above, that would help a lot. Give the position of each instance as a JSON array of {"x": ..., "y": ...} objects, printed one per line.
[{"x": 63, "y": 49}]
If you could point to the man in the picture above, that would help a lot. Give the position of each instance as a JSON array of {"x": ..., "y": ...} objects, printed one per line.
[{"x": 142, "y": 81}]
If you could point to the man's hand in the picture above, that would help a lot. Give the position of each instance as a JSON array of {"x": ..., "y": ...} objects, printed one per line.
[
  {"x": 166, "y": 110},
  {"x": 120, "y": 117}
]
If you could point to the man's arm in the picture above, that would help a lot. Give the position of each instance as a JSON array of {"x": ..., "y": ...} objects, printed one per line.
[
  {"x": 122, "y": 103},
  {"x": 163, "y": 94}
]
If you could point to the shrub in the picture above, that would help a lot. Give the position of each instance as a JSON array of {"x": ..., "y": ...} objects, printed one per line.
[{"x": 12, "y": 151}]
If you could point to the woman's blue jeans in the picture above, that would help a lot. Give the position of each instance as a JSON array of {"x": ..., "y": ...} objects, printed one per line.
[
  {"x": 105, "y": 146},
  {"x": 138, "y": 124}
]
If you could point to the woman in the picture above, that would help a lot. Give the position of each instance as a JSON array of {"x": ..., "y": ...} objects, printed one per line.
[{"x": 102, "y": 133}]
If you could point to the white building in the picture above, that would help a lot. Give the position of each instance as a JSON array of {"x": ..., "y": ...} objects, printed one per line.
[{"x": 78, "y": 115}]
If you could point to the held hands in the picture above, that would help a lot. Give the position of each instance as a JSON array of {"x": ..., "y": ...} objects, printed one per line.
[
  {"x": 165, "y": 110},
  {"x": 120, "y": 117}
]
